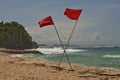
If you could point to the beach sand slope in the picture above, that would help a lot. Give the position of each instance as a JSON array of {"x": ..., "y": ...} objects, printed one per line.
[{"x": 16, "y": 68}]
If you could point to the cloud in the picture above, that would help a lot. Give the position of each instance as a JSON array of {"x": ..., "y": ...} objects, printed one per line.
[
  {"x": 98, "y": 23},
  {"x": 94, "y": 38},
  {"x": 47, "y": 35}
]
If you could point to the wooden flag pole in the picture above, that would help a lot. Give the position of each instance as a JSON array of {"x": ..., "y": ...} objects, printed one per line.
[
  {"x": 59, "y": 37},
  {"x": 67, "y": 59},
  {"x": 70, "y": 14},
  {"x": 72, "y": 33},
  {"x": 63, "y": 48},
  {"x": 68, "y": 44}
]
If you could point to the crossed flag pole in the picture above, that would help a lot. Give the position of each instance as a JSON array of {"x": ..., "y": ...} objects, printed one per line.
[
  {"x": 68, "y": 42},
  {"x": 72, "y": 14}
]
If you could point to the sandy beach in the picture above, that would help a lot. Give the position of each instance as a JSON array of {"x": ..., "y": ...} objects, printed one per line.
[{"x": 19, "y": 68}]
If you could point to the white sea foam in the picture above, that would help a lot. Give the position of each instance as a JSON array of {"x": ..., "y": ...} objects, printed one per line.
[
  {"x": 111, "y": 56},
  {"x": 103, "y": 46},
  {"x": 57, "y": 50}
]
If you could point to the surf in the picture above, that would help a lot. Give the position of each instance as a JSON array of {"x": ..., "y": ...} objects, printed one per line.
[
  {"x": 58, "y": 50},
  {"x": 111, "y": 56}
]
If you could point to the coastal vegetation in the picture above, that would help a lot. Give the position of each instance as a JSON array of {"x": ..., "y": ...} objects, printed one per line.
[{"x": 14, "y": 36}]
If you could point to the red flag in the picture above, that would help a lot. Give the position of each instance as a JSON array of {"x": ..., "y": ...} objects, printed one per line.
[
  {"x": 72, "y": 13},
  {"x": 46, "y": 21}
]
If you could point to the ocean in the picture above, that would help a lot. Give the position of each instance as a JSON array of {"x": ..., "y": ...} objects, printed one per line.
[{"x": 100, "y": 57}]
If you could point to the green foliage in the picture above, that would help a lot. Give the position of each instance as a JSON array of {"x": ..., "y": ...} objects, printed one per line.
[{"x": 14, "y": 36}]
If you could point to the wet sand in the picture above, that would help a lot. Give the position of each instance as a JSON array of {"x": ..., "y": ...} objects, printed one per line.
[{"x": 16, "y": 68}]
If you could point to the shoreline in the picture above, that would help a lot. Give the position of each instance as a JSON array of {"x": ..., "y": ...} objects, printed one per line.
[
  {"x": 21, "y": 68},
  {"x": 27, "y": 51}
]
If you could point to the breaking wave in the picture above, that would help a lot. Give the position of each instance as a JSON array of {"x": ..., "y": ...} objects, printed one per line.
[
  {"x": 57, "y": 50},
  {"x": 111, "y": 56}
]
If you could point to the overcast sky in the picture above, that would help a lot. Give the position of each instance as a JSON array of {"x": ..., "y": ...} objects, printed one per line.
[{"x": 99, "y": 23}]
